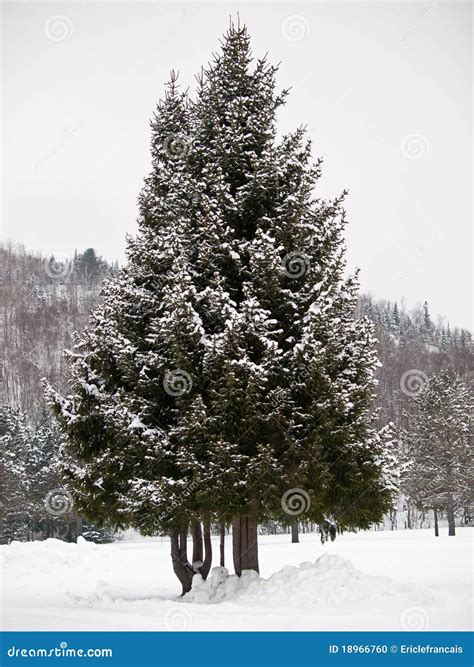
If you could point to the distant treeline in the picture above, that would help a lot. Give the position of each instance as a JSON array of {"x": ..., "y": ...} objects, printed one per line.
[{"x": 43, "y": 301}]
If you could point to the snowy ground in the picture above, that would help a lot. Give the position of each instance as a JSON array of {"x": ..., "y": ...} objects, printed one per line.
[{"x": 394, "y": 581}]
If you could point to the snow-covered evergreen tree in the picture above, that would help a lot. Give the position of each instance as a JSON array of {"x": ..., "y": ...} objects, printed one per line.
[
  {"x": 51, "y": 510},
  {"x": 15, "y": 448},
  {"x": 225, "y": 365},
  {"x": 395, "y": 318},
  {"x": 438, "y": 448},
  {"x": 426, "y": 326}
]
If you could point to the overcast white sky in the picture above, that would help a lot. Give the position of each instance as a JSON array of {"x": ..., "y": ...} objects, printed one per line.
[{"x": 78, "y": 92}]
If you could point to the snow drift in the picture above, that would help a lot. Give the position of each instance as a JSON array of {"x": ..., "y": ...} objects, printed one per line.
[
  {"x": 329, "y": 580},
  {"x": 53, "y": 585}
]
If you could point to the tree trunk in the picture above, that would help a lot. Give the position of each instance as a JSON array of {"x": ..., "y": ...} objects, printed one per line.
[
  {"x": 78, "y": 526},
  {"x": 393, "y": 519},
  {"x": 222, "y": 545},
  {"x": 450, "y": 513},
  {"x": 435, "y": 512},
  {"x": 294, "y": 533},
  {"x": 182, "y": 568},
  {"x": 244, "y": 544},
  {"x": 206, "y": 566},
  {"x": 196, "y": 533}
]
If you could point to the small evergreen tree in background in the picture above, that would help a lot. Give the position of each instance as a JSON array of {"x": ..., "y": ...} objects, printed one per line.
[
  {"x": 437, "y": 445},
  {"x": 89, "y": 269},
  {"x": 15, "y": 450},
  {"x": 225, "y": 366},
  {"x": 33, "y": 503}
]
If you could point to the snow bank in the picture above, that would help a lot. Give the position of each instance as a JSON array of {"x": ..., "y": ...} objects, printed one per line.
[
  {"x": 329, "y": 580},
  {"x": 51, "y": 569},
  {"x": 54, "y": 585}
]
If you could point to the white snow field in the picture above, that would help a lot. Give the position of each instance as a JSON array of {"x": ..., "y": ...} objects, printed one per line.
[{"x": 400, "y": 580}]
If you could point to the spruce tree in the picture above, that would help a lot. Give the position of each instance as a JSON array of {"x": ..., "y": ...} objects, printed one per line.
[
  {"x": 225, "y": 365},
  {"x": 51, "y": 509},
  {"x": 426, "y": 325},
  {"x": 437, "y": 446},
  {"x": 88, "y": 268},
  {"x": 44, "y": 479},
  {"x": 15, "y": 451},
  {"x": 396, "y": 319}
]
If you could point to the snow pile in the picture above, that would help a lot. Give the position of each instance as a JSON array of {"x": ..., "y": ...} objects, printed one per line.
[
  {"x": 330, "y": 580},
  {"x": 50, "y": 569}
]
